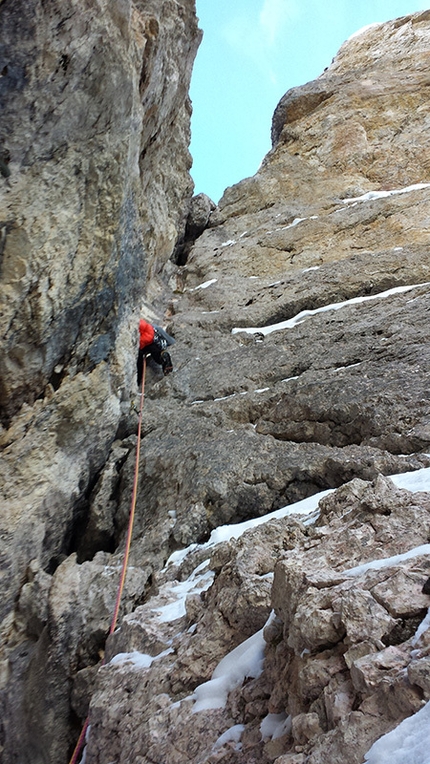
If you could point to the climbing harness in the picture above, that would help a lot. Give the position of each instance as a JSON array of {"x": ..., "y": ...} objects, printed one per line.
[{"x": 82, "y": 736}]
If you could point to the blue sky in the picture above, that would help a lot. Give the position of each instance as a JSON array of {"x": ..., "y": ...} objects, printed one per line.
[{"x": 252, "y": 52}]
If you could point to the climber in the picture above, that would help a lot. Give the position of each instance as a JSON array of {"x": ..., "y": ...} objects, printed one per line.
[{"x": 154, "y": 341}]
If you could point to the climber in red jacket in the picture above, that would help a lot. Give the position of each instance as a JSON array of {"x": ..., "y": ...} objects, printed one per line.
[{"x": 154, "y": 341}]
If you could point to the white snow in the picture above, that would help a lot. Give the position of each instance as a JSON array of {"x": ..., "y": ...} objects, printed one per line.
[
  {"x": 137, "y": 660},
  {"x": 295, "y": 222},
  {"x": 333, "y": 306},
  {"x": 303, "y": 507},
  {"x": 424, "y": 625},
  {"x": 232, "y": 395},
  {"x": 231, "y": 735},
  {"x": 205, "y": 285},
  {"x": 387, "y": 562},
  {"x": 196, "y": 583},
  {"x": 274, "y": 726},
  {"x": 84, "y": 752},
  {"x": 228, "y": 243},
  {"x": 413, "y": 481},
  {"x": 408, "y": 743},
  {"x": 350, "y": 366},
  {"x": 246, "y": 660},
  {"x": 382, "y": 194}
]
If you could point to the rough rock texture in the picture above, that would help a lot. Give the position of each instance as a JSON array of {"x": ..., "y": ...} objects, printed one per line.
[
  {"x": 94, "y": 140},
  {"x": 249, "y": 421},
  {"x": 95, "y": 115},
  {"x": 341, "y": 655}
]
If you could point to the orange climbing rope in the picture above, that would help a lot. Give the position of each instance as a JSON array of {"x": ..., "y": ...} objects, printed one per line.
[{"x": 81, "y": 740}]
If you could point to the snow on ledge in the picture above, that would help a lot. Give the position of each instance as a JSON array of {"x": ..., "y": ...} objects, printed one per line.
[
  {"x": 382, "y": 194},
  {"x": 199, "y": 581},
  {"x": 291, "y": 322},
  {"x": 416, "y": 481},
  {"x": 137, "y": 660},
  {"x": 387, "y": 562},
  {"x": 205, "y": 285}
]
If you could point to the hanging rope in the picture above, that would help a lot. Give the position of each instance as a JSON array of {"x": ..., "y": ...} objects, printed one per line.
[
  {"x": 80, "y": 743},
  {"x": 132, "y": 509}
]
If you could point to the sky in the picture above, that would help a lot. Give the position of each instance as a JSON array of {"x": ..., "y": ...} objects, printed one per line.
[{"x": 252, "y": 52}]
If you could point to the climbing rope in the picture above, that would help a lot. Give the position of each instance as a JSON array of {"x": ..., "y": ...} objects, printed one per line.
[{"x": 81, "y": 740}]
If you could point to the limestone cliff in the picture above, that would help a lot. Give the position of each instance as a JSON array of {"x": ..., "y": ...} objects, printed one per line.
[
  {"x": 94, "y": 134},
  {"x": 275, "y": 397}
]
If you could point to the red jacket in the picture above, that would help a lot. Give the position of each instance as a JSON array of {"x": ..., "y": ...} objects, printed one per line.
[{"x": 146, "y": 332}]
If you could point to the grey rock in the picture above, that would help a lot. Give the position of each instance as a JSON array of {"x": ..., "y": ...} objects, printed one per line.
[{"x": 248, "y": 422}]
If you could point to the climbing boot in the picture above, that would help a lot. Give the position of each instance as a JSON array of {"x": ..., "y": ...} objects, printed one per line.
[{"x": 166, "y": 363}]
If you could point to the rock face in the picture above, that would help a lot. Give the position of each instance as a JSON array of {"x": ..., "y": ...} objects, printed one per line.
[
  {"x": 95, "y": 131},
  {"x": 94, "y": 103},
  {"x": 343, "y": 657},
  {"x": 275, "y": 397}
]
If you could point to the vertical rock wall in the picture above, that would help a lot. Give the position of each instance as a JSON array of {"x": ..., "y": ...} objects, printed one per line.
[
  {"x": 95, "y": 120},
  {"x": 94, "y": 164}
]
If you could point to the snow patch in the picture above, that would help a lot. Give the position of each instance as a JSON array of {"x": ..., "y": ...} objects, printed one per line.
[
  {"x": 274, "y": 726},
  {"x": 231, "y": 735},
  {"x": 408, "y": 743},
  {"x": 413, "y": 481},
  {"x": 303, "y": 507},
  {"x": 196, "y": 583},
  {"x": 205, "y": 285},
  {"x": 291, "y": 322},
  {"x": 137, "y": 660},
  {"x": 387, "y": 562},
  {"x": 246, "y": 660},
  {"x": 295, "y": 222},
  {"x": 383, "y": 194},
  {"x": 424, "y": 625}
]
